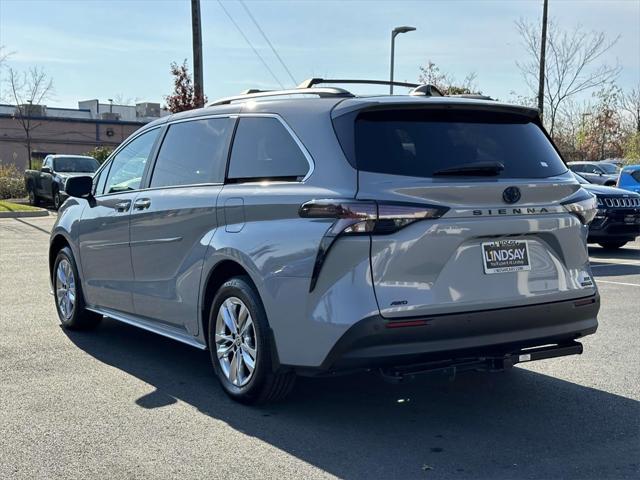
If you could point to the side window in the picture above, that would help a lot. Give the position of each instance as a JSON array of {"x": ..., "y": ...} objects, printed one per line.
[
  {"x": 264, "y": 149},
  {"x": 577, "y": 168},
  {"x": 192, "y": 153},
  {"x": 127, "y": 166},
  {"x": 47, "y": 162}
]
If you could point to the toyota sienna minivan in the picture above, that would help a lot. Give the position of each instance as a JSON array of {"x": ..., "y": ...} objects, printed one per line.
[{"x": 312, "y": 231}]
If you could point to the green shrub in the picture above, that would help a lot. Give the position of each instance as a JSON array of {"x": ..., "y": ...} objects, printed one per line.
[
  {"x": 100, "y": 153},
  {"x": 11, "y": 182},
  {"x": 12, "y": 188},
  {"x": 9, "y": 171}
]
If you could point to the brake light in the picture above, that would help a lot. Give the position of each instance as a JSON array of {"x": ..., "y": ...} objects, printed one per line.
[
  {"x": 583, "y": 205},
  {"x": 367, "y": 217}
]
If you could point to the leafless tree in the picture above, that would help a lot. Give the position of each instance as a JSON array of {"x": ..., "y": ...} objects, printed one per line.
[
  {"x": 28, "y": 90},
  {"x": 570, "y": 66},
  {"x": 630, "y": 103},
  {"x": 432, "y": 75}
]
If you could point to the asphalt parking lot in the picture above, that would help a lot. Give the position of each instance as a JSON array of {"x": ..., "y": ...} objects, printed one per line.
[{"x": 123, "y": 403}]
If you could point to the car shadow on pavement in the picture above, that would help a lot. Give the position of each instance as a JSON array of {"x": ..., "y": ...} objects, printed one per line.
[
  {"x": 607, "y": 255},
  {"x": 603, "y": 269},
  {"x": 517, "y": 424}
]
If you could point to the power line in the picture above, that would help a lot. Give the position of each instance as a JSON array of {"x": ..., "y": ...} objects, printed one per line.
[
  {"x": 250, "y": 44},
  {"x": 264, "y": 35}
]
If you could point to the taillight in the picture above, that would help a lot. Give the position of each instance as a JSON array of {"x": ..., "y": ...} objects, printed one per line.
[
  {"x": 366, "y": 217},
  {"x": 357, "y": 217},
  {"x": 583, "y": 205}
]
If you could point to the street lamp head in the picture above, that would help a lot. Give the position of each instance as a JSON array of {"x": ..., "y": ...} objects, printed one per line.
[{"x": 404, "y": 29}]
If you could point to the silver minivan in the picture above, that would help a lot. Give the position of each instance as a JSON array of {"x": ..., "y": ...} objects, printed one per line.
[{"x": 312, "y": 231}]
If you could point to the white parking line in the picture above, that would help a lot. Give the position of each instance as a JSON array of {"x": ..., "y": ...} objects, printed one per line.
[
  {"x": 618, "y": 283},
  {"x": 634, "y": 264}
]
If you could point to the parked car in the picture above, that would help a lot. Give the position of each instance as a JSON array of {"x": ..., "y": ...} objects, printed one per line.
[
  {"x": 618, "y": 162},
  {"x": 630, "y": 178},
  {"x": 618, "y": 219},
  {"x": 602, "y": 173},
  {"x": 312, "y": 231},
  {"x": 48, "y": 183}
]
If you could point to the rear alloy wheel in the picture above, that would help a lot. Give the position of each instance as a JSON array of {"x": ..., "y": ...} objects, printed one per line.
[
  {"x": 612, "y": 245},
  {"x": 240, "y": 346},
  {"x": 33, "y": 198},
  {"x": 68, "y": 294}
]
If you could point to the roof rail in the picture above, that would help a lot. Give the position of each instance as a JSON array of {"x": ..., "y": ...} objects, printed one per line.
[
  {"x": 254, "y": 93},
  {"x": 310, "y": 82}
]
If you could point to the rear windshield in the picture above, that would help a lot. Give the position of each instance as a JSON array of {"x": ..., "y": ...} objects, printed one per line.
[
  {"x": 75, "y": 164},
  {"x": 418, "y": 143}
]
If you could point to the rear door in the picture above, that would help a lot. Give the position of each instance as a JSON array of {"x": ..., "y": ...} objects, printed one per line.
[
  {"x": 504, "y": 239},
  {"x": 173, "y": 220},
  {"x": 104, "y": 226}
]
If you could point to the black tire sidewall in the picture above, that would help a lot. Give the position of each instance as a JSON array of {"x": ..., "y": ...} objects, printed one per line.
[
  {"x": 33, "y": 198},
  {"x": 57, "y": 200},
  {"x": 241, "y": 288}
]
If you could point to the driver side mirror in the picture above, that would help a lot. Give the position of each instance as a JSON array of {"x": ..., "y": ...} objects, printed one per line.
[
  {"x": 79, "y": 187},
  {"x": 46, "y": 169}
]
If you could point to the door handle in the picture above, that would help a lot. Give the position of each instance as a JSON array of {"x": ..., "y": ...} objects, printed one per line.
[
  {"x": 142, "y": 204},
  {"x": 123, "y": 206}
]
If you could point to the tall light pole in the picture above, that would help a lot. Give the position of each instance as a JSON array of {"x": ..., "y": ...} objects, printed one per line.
[
  {"x": 196, "y": 30},
  {"x": 395, "y": 32}
]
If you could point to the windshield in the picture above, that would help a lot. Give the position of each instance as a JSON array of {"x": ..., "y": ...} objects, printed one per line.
[
  {"x": 609, "y": 168},
  {"x": 419, "y": 143},
  {"x": 75, "y": 164}
]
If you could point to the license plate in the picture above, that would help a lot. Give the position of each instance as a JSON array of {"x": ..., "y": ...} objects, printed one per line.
[
  {"x": 505, "y": 256},
  {"x": 631, "y": 219}
]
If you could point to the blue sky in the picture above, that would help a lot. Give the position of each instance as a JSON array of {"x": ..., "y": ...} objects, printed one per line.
[{"x": 105, "y": 49}]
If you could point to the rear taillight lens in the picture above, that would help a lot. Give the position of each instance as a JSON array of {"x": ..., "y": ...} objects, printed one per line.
[
  {"x": 365, "y": 217},
  {"x": 369, "y": 217},
  {"x": 583, "y": 205}
]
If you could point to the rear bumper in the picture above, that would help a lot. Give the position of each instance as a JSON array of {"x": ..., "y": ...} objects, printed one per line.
[
  {"x": 614, "y": 231},
  {"x": 379, "y": 342}
]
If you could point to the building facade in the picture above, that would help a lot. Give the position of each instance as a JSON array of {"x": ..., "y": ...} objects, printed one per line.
[{"x": 72, "y": 131}]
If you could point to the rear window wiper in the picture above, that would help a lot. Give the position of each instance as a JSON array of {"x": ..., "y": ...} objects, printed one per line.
[{"x": 474, "y": 168}]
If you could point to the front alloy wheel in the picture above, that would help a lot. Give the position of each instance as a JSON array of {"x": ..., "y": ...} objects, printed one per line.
[
  {"x": 65, "y": 289},
  {"x": 236, "y": 344}
]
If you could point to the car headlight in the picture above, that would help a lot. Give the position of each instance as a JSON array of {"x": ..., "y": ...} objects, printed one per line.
[{"x": 583, "y": 205}]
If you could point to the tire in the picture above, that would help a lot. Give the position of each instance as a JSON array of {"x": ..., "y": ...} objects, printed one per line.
[
  {"x": 57, "y": 199},
  {"x": 71, "y": 308},
  {"x": 231, "y": 353},
  {"x": 33, "y": 198},
  {"x": 612, "y": 245}
]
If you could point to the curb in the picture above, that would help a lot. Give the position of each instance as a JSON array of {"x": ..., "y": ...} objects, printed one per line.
[{"x": 30, "y": 213}]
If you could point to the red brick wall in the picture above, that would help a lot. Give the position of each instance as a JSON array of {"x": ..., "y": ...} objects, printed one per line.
[{"x": 58, "y": 136}]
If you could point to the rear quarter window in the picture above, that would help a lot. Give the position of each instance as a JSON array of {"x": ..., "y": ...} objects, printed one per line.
[
  {"x": 264, "y": 149},
  {"x": 419, "y": 142}
]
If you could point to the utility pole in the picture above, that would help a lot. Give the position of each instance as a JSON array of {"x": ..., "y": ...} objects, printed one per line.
[
  {"x": 196, "y": 28},
  {"x": 543, "y": 48}
]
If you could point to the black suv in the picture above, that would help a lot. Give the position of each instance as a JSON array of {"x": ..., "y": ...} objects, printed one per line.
[{"x": 618, "y": 219}]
